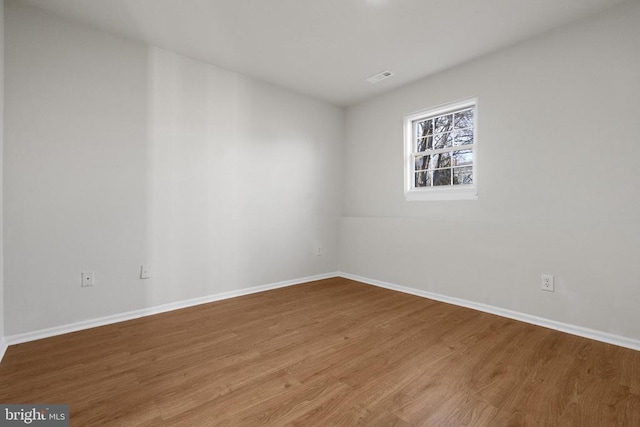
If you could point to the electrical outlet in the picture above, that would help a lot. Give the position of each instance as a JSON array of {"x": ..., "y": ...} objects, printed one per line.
[
  {"x": 318, "y": 250},
  {"x": 88, "y": 278},
  {"x": 547, "y": 283},
  {"x": 145, "y": 272}
]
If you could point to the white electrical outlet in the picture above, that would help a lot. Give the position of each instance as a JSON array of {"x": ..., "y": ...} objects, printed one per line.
[
  {"x": 88, "y": 278},
  {"x": 547, "y": 283},
  {"x": 145, "y": 272}
]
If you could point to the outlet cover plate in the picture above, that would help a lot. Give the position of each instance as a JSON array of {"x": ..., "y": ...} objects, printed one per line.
[
  {"x": 88, "y": 278},
  {"x": 145, "y": 272}
]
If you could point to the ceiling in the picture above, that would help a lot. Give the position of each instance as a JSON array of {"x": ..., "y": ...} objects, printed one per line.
[{"x": 327, "y": 48}]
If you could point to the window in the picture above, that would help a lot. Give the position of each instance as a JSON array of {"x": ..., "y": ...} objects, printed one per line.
[{"x": 440, "y": 148}]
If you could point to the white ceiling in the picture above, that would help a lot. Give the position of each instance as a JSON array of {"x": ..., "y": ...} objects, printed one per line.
[{"x": 327, "y": 48}]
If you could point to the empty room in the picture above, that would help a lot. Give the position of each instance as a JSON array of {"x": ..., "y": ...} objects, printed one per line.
[{"x": 320, "y": 213}]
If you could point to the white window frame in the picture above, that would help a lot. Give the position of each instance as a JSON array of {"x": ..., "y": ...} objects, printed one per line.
[{"x": 446, "y": 192}]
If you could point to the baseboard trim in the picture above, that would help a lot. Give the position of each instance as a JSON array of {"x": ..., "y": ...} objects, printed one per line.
[
  {"x": 606, "y": 337},
  {"x": 3, "y": 347},
  {"x": 150, "y": 311},
  {"x": 593, "y": 334}
]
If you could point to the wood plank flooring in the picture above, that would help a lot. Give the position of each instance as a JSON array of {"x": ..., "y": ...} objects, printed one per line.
[{"x": 328, "y": 353}]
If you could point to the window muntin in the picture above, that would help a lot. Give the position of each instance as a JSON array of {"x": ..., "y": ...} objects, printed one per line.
[{"x": 440, "y": 146}]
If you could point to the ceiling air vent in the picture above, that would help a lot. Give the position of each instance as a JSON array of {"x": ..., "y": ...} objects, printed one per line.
[{"x": 380, "y": 76}]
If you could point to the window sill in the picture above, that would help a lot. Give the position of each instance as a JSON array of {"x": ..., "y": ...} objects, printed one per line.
[{"x": 461, "y": 193}]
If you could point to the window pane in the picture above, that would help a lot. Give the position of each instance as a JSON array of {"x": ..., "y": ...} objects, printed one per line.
[
  {"x": 439, "y": 161},
  {"x": 424, "y": 144},
  {"x": 444, "y": 160},
  {"x": 423, "y": 179},
  {"x": 422, "y": 163},
  {"x": 463, "y": 137},
  {"x": 424, "y": 128},
  {"x": 464, "y": 119},
  {"x": 462, "y": 158},
  {"x": 443, "y": 123},
  {"x": 463, "y": 175},
  {"x": 443, "y": 140},
  {"x": 442, "y": 177}
]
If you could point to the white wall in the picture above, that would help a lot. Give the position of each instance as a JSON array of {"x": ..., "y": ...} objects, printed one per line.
[
  {"x": 119, "y": 154},
  {"x": 1, "y": 172},
  {"x": 558, "y": 176}
]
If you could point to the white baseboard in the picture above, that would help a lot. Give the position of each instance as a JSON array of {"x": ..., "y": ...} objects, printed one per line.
[
  {"x": 121, "y": 317},
  {"x": 580, "y": 331},
  {"x": 527, "y": 318},
  {"x": 3, "y": 347}
]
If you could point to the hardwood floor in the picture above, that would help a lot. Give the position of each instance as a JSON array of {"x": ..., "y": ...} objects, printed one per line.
[{"x": 332, "y": 352}]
